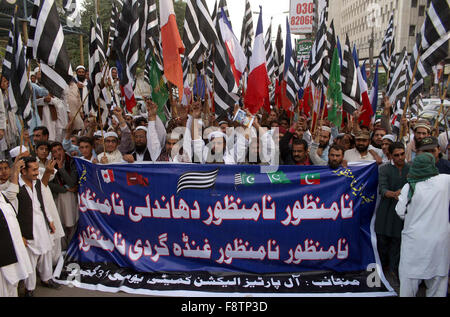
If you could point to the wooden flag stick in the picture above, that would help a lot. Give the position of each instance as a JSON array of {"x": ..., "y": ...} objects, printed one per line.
[
  {"x": 389, "y": 66},
  {"x": 441, "y": 108},
  {"x": 79, "y": 109}
]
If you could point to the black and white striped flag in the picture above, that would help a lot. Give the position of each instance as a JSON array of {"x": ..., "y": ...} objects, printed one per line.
[
  {"x": 197, "y": 180},
  {"x": 292, "y": 80},
  {"x": 97, "y": 60},
  {"x": 322, "y": 6},
  {"x": 397, "y": 88},
  {"x": 422, "y": 71},
  {"x": 351, "y": 94},
  {"x": 388, "y": 46},
  {"x": 431, "y": 43},
  {"x": 317, "y": 54},
  {"x": 303, "y": 77},
  {"x": 270, "y": 62},
  {"x": 199, "y": 30},
  {"x": 73, "y": 13},
  {"x": 115, "y": 16},
  {"x": 208, "y": 34},
  {"x": 9, "y": 58},
  {"x": 269, "y": 52},
  {"x": 247, "y": 32},
  {"x": 328, "y": 53},
  {"x": 153, "y": 44},
  {"x": 191, "y": 34},
  {"x": 127, "y": 43},
  {"x": 279, "y": 56},
  {"x": 436, "y": 26},
  {"x": 19, "y": 89},
  {"x": 153, "y": 34},
  {"x": 143, "y": 22},
  {"x": 47, "y": 46}
]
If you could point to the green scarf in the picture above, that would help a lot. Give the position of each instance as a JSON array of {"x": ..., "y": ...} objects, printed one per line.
[{"x": 422, "y": 169}]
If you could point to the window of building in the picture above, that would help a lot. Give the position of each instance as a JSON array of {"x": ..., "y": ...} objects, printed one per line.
[
  {"x": 421, "y": 11},
  {"x": 412, "y": 30},
  {"x": 413, "y": 3}
]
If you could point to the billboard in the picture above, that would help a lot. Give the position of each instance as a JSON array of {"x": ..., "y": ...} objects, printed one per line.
[{"x": 301, "y": 16}]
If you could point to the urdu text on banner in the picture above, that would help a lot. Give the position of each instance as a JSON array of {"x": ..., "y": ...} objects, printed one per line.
[{"x": 219, "y": 218}]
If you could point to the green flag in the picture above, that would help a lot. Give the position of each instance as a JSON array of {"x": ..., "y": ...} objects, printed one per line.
[
  {"x": 160, "y": 94},
  {"x": 244, "y": 179},
  {"x": 278, "y": 178},
  {"x": 334, "y": 94}
]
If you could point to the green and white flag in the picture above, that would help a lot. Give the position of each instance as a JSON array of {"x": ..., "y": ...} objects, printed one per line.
[
  {"x": 244, "y": 179},
  {"x": 278, "y": 178},
  {"x": 160, "y": 95}
]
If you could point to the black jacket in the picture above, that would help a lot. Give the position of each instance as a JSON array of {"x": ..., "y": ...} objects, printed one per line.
[
  {"x": 7, "y": 250},
  {"x": 25, "y": 215},
  {"x": 147, "y": 156}
]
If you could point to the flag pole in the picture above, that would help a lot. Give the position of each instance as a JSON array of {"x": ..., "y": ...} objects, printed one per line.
[
  {"x": 192, "y": 82},
  {"x": 389, "y": 66},
  {"x": 81, "y": 49},
  {"x": 441, "y": 108},
  {"x": 208, "y": 110},
  {"x": 79, "y": 109},
  {"x": 409, "y": 91}
]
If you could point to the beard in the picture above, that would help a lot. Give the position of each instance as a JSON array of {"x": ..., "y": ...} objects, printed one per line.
[
  {"x": 362, "y": 148},
  {"x": 334, "y": 165},
  {"x": 141, "y": 148},
  {"x": 323, "y": 145},
  {"x": 81, "y": 78}
]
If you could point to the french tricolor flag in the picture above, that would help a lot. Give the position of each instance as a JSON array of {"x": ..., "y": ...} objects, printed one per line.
[
  {"x": 238, "y": 60},
  {"x": 257, "y": 94},
  {"x": 366, "y": 117}
]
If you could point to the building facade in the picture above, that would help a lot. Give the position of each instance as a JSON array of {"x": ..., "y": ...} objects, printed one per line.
[{"x": 363, "y": 20}]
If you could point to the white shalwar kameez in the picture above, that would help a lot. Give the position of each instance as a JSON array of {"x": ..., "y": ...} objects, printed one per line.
[
  {"x": 40, "y": 248},
  {"x": 50, "y": 207},
  {"x": 10, "y": 275},
  {"x": 425, "y": 247}
]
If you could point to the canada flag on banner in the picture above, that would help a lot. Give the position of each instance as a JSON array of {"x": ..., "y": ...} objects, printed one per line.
[{"x": 108, "y": 176}]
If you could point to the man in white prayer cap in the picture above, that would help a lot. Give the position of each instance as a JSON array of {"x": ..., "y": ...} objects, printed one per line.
[
  {"x": 216, "y": 151},
  {"x": 79, "y": 93},
  {"x": 111, "y": 154}
]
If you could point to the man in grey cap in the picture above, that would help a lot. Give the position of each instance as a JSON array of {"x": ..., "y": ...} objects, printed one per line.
[
  {"x": 431, "y": 145},
  {"x": 361, "y": 150}
]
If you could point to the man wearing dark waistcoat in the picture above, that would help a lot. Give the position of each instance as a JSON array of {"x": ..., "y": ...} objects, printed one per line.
[{"x": 36, "y": 225}]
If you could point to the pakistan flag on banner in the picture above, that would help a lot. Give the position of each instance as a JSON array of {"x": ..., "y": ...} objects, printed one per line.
[
  {"x": 278, "y": 178},
  {"x": 160, "y": 94}
]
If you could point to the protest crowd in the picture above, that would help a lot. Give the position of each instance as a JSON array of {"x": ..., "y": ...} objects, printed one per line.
[{"x": 93, "y": 120}]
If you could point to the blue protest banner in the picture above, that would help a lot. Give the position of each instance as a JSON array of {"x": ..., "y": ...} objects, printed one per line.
[{"x": 219, "y": 218}]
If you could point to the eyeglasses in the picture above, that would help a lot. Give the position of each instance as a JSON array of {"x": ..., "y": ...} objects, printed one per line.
[{"x": 399, "y": 154}]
